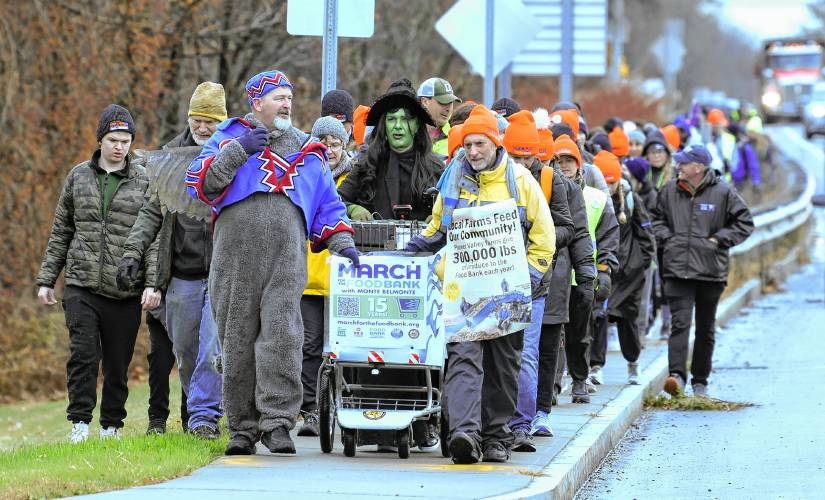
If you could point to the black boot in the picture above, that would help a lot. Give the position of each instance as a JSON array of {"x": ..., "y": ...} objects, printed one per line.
[
  {"x": 278, "y": 441},
  {"x": 240, "y": 445}
]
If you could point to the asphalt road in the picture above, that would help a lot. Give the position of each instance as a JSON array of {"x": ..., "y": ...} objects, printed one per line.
[{"x": 772, "y": 355}]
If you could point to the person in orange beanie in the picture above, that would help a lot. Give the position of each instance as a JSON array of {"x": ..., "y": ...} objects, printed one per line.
[
  {"x": 547, "y": 147},
  {"x": 522, "y": 143},
  {"x": 567, "y": 116},
  {"x": 521, "y": 138},
  {"x": 359, "y": 124},
  {"x": 619, "y": 142},
  {"x": 483, "y": 383},
  {"x": 671, "y": 133},
  {"x": 603, "y": 228},
  {"x": 635, "y": 253},
  {"x": 453, "y": 141}
]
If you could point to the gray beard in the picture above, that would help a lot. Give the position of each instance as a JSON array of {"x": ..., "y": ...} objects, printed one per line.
[
  {"x": 198, "y": 140},
  {"x": 282, "y": 124}
]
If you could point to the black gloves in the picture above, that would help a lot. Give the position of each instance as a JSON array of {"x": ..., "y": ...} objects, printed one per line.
[
  {"x": 127, "y": 273},
  {"x": 604, "y": 286},
  {"x": 584, "y": 290}
]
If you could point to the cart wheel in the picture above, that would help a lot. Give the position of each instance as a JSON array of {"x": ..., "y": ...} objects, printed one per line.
[
  {"x": 349, "y": 441},
  {"x": 326, "y": 410},
  {"x": 444, "y": 433},
  {"x": 402, "y": 440}
]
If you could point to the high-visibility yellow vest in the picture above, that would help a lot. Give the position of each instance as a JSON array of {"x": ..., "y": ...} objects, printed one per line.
[{"x": 594, "y": 202}]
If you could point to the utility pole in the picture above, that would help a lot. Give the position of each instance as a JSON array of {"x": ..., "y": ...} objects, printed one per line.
[{"x": 330, "y": 51}]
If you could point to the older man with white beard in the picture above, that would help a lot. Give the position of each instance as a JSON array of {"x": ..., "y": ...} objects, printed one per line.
[
  {"x": 184, "y": 329},
  {"x": 269, "y": 195}
]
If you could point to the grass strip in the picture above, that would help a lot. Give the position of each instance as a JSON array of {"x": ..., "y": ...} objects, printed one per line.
[{"x": 63, "y": 469}]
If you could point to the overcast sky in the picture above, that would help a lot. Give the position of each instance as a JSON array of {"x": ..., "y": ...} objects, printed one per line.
[{"x": 768, "y": 18}]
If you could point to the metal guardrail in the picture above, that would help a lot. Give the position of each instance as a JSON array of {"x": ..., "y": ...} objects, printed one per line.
[{"x": 785, "y": 218}]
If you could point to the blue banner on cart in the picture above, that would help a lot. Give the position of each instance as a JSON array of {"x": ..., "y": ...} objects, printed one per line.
[{"x": 390, "y": 302}]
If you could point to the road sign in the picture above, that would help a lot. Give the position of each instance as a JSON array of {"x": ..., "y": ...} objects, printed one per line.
[
  {"x": 670, "y": 49},
  {"x": 543, "y": 55},
  {"x": 463, "y": 26},
  {"x": 356, "y": 18}
]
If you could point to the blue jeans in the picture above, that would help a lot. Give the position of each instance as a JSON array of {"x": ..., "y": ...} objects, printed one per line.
[
  {"x": 528, "y": 374},
  {"x": 194, "y": 335}
]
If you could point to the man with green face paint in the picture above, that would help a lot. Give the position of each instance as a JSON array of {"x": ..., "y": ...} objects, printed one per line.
[
  {"x": 398, "y": 165},
  {"x": 437, "y": 97}
]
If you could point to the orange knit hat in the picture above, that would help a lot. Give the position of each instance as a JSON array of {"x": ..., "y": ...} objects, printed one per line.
[
  {"x": 609, "y": 164},
  {"x": 521, "y": 137},
  {"x": 568, "y": 116},
  {"x": 546, "y": 146},
  {"x": 566, "y": 147},
  {"x": 619, "y": 142},
  {"x": 481, "y": 121},
  {"x": 453, "y": 140},
  {"x": 717, "y": 117},
  {"x": 671, "y": 133},
  {"x": 359, "y": 123}
]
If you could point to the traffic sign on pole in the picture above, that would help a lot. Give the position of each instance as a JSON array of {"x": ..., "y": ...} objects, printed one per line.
[
  {"x": 543, "y": 55},
  {"x": 330, "y": 19},
  {"x": 464, "y": 27}
]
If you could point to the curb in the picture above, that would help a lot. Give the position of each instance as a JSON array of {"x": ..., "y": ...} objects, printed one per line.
[{"x": 574, "y": 464}]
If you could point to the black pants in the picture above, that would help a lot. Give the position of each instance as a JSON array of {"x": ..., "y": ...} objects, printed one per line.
[
  {"x": 549, "y": 344},
  {"x": 161, "y": 360},
  {"x": 100, "y": 330},
  {"x": 312, "y": 311},
  {"x": 597, "y": 350},
  {"x": 681, "y": 296},
  {"x": 577, "y": 336},
  {"x": 481, "y": 387}
]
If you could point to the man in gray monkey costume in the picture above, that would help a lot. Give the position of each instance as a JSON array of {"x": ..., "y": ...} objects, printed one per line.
[{"x": 270, "y": 191}]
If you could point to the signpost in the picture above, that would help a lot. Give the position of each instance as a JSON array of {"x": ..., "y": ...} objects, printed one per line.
[{"x": 330, "y": 19}]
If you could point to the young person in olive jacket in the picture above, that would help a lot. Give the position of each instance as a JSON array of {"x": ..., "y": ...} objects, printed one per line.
[
  {"x": 98, "y": 206},
  {"x": 697, "y": 219}
]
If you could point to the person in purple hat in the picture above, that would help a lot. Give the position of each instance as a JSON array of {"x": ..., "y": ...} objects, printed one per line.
[
  {"x": 270, "y": 191},
  {"x": 697, "y": 219}
]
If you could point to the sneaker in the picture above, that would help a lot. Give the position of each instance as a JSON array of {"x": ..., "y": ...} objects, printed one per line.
[
  {"x": 523, "y": 442},
  {"x": 596, "y": 375},
  {"x": 675, "y": 385},
  {"x": 700, "y": 390},
  {"x": 664, "y": 333},
  {"x": 541, "y": 425},
  {"x": 157, "y": 426},
  {"x": 310, "y": 425},
  {"x": 80, "y": 433},
  {"x": 579, "y": 392},
  {"x": 430, "y": 441},
  {"x": 204, "y": 431},
  {"x": 239, "y": 445},
  {"x": 591, "y": 389},
  {"x": 495, "y": 452},
  {"x": 633, "y": 374},
  {"x": 109, "y": 432},
  {"x": 278, "y": 441},
  {"x": 464, "y": 449}
]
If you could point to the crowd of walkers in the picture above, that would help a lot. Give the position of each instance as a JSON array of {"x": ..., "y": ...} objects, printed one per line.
[{"x": 222, "y": 237}]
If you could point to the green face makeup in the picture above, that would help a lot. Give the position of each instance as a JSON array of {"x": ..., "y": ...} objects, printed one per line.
[{"x": 400, "y": 130}]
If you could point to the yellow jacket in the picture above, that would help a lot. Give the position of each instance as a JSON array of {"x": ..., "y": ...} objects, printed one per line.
[
  {"x": 492, "y": 186},
  {"x": 317, "y": 265}
]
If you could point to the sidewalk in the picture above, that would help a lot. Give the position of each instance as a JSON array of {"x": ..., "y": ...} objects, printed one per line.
[{"x": 585, "y": 433}]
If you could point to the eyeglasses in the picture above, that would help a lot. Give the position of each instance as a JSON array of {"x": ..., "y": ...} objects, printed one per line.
[{"x": 334, "y": 145}]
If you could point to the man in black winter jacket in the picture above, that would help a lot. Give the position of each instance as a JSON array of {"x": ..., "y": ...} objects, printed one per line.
[{"x": 696, "y": 221}]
